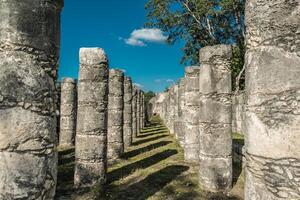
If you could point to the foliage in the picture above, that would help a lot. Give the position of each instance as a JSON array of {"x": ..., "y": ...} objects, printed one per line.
[
  {"x": 200, "y": 23},
  {"x": 148, "y": 96}
]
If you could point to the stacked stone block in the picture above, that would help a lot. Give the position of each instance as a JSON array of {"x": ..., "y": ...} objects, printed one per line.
[
  {"x": 115, "y": 114},
  {"x": 215, "y": 152},
  {"x": 272, "y": 117},
  {"x": 91, "y": 135},
  {"x": 138, "y": 110},
  {"x": 179, "y": 126},
  {"x": 68, "y": 111},
  {"x": 191, "y": 114},
  {"x": 134, "y": 112},
  {"x": 127, "y": 125},
  {"x": 29, "y": 54}
]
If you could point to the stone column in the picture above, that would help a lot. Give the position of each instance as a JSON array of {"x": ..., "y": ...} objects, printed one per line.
[
  {"x": 191, "y": 136},
  {"x": 115, "y": 114},
  {"x": 134, "y": 112},
  {"x": 29, "y": 54},
  {"x": 272, "y": 119},
  {"x": 215, "y": 153},
  {"x": 138, "y": 111},
  {"x": 171, "y": 110},
  {"x": 91, "y": 134},
  {"x": 68, "y": 111},
  {"x": 141, "y": 110},
  {"x": 179, "y": 126},
  {"x": 57, "y": 101},
  {"x": 127, "y": 126}
]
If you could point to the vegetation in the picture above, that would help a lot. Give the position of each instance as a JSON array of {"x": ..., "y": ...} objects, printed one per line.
[
  {"x": 201, "y": 23},
  {"x": 153, "y": 168}
]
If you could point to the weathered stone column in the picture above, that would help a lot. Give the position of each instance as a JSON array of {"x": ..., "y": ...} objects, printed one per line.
[
  {"x": 91, "y": 134},
  {"x": 215, "y": 152},
  {"x": 134, "y": 112},
  {"x": 171, "y": 110},
  {"x": 179, "y": 126},
  {"x": 115, "y": 114},
  {"x": 68, "y": 111},
  {"x": 141, "y": 110},
  {"x": 57, "y": 102},
  {"x": 138, "y": 111},
  {"x": 272, "y": 117},
  {"x": 127, "y": 126},
  {"x": 29, "y": 54},
  {"x": 191, "y": 136}
]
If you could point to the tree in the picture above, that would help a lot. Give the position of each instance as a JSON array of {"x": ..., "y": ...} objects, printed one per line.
[
  {"x": 148, "y": 96},
  {"x": 201, "y": 23}
]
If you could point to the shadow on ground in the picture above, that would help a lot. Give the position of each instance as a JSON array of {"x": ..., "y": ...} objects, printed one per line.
[{"x": 142, "y": 164}]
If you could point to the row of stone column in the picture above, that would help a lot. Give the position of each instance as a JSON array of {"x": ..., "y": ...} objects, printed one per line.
[
  {"x": 198, "y": 111},
  {"x": 108, "y": 115},
  {"x": 268, "y": 113}
]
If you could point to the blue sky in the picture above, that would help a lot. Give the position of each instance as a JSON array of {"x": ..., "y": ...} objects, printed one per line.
[{"x": 117, "y": 27}]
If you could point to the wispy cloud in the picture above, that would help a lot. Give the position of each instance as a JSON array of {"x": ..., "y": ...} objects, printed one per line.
[
  {"x": 164, "y": 80},
  {"x": 138, "y": 85},
  {"x": 140, "y": 37}
]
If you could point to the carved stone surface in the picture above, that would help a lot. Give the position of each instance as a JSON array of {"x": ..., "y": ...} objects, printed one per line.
[
  {"x": 215, "y": 153},
  {"x": 115, "y": 114},
  {"x": 179, "y": 126},
  {"x": 134, "y": 112},
  {"x": 238, "y": 102},
  {"x": 272, "y": 116},
  {"x": 127, "y": 125},
  {"x": 68, "y": 112},
  {"x": 91, "y": 134},
  {"x": 171, "y": 109},
  {"x": 191, "y": 114},
  {"x": 138, "y": 110},
  {"x": 29, "y": 54}
]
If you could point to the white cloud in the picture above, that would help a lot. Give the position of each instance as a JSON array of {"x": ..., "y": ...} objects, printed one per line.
[
  {"x": 138, "y": 85},
  {"x": 139, "y": 36},
  {"x": 157, "y": 80},
  {"x": 170, "y": 81}
]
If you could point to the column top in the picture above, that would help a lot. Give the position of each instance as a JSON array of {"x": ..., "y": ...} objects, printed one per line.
[
  {"x": 92, "y": 56},
  {"x": 209, "y": 52}
]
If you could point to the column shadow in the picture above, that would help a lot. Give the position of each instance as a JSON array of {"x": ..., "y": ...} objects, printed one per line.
[
  {"x": 153, "y": 183},
  {"x": 148, "y": 140},
  {"x": 141, "y": 164},
  {"x": 139, "y": 151}
]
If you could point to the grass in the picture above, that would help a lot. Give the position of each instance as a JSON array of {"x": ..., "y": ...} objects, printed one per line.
[{"x": 152, "y": 168}]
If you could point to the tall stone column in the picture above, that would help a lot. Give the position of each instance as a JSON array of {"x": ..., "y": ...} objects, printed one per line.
[
  {"x": 134, "y": 112},
  {"x": 171, "y": 109},
  {"x": 115, "y": 114},
  {"x": 215, "y": 157},
  {"x": 68, "y": 111},
  {"x": 127, "y": 126},
  {"x": 91, "y": 134},
  {"x": 141, "y": 110},
  {"x": 57, "y": 102},
  {"x": 29, "y": 54},
  {"x": 191, "y": 136},
  {"x": 180, "y": 124},
  {"x": 272, "y": 119},
  {"x": 138, "y": 111}
]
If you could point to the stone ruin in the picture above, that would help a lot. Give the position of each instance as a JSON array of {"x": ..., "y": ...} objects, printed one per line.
[
  {"x": 91, "y": 134},
  {"x": 68, "y": 112},
  {"x": 106, "y": 112},
  {"x": 272, "y": 110},
  {"x": 29, "y": 54},
  {"x": 127, "y": 120},
  {"x": 214, "y": 119},
  {"x": 115, "y": 140}
]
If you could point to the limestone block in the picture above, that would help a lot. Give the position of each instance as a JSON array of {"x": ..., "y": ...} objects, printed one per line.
[
  {"x": 91, "y": 134},
  {"x": 115, "y": 114},
  {"x": 272, "y": 111},
  {"x": 29, "y": 53}
]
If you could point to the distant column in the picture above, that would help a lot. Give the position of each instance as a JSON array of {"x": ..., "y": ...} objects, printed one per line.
[
  {"x": 91, "y": 135},
  {"x": 115, "y": 114},
  {"x": 134, "y": 112},
  {"x": 215, "y": 153},
  {"x": 180, "y": 124},
  {"x": 138, "y": 111},
  {"x": 272, "y": 119},
  {"x": 29, "y": 54},
  {"x": 127, "y": 126},
  {"x": 68, "y": 111},
  {"x": 191, "y": 136}
]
